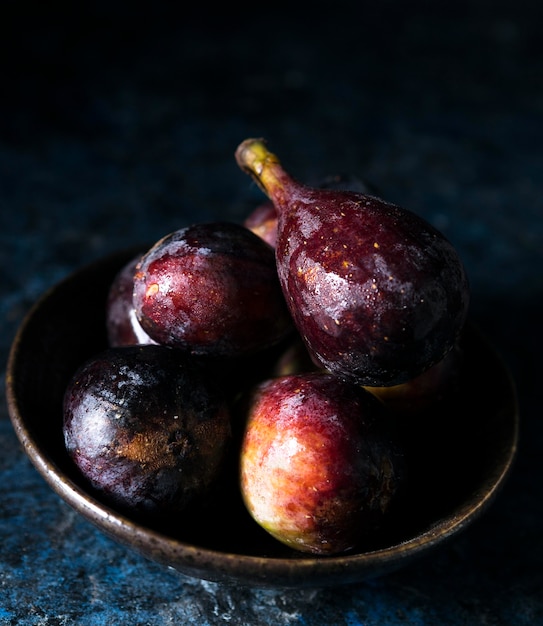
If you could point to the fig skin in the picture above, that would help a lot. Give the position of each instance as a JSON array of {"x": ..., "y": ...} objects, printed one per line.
[
  {"x": 123, "y": 327},
  {"x": 211, "y": 288},
  {"x": 318, "y": 469},
  {"x": 263, "y": 219},
  {"x": 146, "y": 429},
  {"x": 377, "y": 293}
]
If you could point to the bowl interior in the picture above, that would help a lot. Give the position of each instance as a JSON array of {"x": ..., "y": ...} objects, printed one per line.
[{"x": 459, "y": 456}]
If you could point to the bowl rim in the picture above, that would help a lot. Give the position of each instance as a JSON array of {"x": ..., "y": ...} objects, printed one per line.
[{"x": 255, "y": 570}]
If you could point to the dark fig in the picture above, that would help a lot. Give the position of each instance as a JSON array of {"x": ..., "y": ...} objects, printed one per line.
[
  {"x": 146, "y": 428},
  {"x": 123, "y": 327},
  {"x": 211, "y": 288},
  {"x": 318, "y": 470},
  {"x": 376, "y": 292}
]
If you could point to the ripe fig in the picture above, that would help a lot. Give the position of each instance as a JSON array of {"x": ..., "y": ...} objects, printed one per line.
[
  {"x": 146, "y": 428},
  {"x": 376, "y": 292},
  {"x": 123, "y": 327},
  {"x": 318, "y": 469},
  {"x": 211, "y": 288}
]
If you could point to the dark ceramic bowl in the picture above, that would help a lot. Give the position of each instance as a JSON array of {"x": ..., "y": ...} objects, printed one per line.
[{"x": 462, "y": 455}]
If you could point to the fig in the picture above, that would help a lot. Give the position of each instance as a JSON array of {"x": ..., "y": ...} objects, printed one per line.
[
  {"x": 146, "y": 429},
  {"x": 122, "y": 324},
  {"x": 319, "y": 469},
  {"x": 262, "y": 221},
  {"x": 211, "y": 288},
  {"x": 377, "y": 293}
]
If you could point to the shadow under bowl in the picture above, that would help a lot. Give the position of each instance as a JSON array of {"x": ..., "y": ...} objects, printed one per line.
[{"x": 463, "y": 456}]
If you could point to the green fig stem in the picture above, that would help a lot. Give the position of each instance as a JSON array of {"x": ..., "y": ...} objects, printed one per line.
[{"x": 254, "y": 158}]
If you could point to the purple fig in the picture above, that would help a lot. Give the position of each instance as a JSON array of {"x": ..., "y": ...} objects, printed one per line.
[{"x": 377, "y": 293}]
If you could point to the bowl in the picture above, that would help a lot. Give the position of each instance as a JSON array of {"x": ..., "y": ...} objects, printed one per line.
[{"x": 463, "y": 453}]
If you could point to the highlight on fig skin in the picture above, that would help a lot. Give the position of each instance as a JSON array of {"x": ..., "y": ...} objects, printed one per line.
[
  {"x": 213, "y": 289},
  {"x": 377, "y": 293}
]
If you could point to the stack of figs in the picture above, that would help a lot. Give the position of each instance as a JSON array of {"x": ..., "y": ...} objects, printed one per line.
[{"x": 291, "y": 343}]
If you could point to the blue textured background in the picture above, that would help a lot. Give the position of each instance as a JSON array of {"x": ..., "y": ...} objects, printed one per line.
[{"x": 118, "y": 125}]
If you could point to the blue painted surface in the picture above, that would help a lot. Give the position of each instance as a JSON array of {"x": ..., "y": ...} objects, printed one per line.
[{"x": 117, "y": 129}]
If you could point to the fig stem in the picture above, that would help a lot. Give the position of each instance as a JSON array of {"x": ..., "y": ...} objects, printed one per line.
[{"x": 254, "y": 158}]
